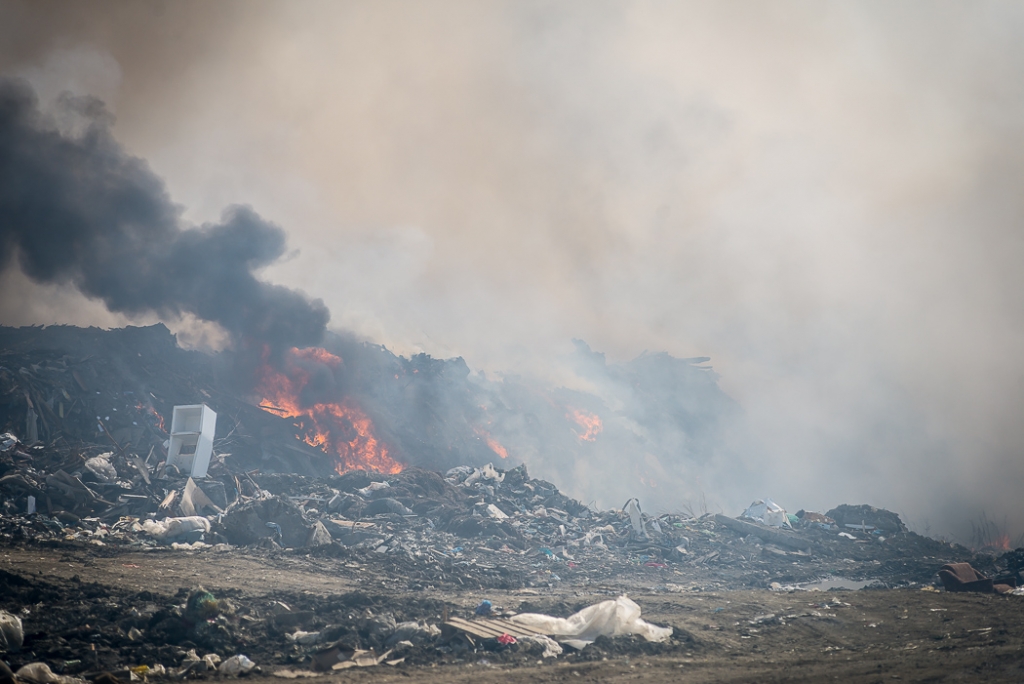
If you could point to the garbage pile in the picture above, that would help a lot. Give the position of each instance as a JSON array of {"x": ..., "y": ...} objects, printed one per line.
[
  {"x": 78, "y": 393},
  {"x": 419, "y": 532},
  {"x": 88, "y": 463},
  {"x": 480, "y": 527}
]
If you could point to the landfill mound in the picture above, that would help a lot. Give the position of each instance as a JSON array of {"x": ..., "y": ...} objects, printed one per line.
[
  {"x": 352, "y": 404},
  {"x": 486, "y": 526},
  {"x": 85, "y": 471}
]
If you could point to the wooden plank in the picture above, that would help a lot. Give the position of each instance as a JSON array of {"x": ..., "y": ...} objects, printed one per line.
[{"x": 490, "y": 628}]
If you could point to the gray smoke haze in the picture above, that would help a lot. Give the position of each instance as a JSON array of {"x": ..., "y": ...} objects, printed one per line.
[
  {"x": 825, "y": 198},
  {"x": 75, "y": 208}
]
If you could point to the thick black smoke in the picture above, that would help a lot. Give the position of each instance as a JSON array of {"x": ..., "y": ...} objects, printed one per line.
[{"x": 76, "y": 208}]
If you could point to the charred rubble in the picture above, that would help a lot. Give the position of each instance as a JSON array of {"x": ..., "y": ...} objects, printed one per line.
[
  {"x": 422, "y": 535},
  {"x": 116, "y": 388},
  {"x": 82, "y": 465},
  {"x": 90, "y": 406}
]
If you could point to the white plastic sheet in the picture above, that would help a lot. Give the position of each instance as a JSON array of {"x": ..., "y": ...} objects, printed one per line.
[
  {"x": 367, "y": 491},
  {"x": 40, "y": 673},
  {"x": 550, "y": 647},
  {"x": 488, "y": 472},
  {"x": 101, "y": 467},
  {"x": 607, "y": 618},
  {"x": 236, "y": 665},
  {"x": 767, "y": 512},
  {"x": 169, "y": 528},
  {"x": 635, "y": 517}
]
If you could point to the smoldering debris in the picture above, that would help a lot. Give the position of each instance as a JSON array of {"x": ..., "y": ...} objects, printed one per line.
[
  {"x": 96, "y": 472},
  {"x": 83, "y": 467},
  {"x": 358, "y": 401}
]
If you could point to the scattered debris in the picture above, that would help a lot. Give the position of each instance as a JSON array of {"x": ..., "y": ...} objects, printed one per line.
[
  {"x": 100, "y": 470},
  {"x": 963, "y": 577}
]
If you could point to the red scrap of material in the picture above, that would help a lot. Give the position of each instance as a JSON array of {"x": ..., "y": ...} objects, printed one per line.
[
  {"x": 652, "y": 564},
  {"x": 506, "y": 639}
]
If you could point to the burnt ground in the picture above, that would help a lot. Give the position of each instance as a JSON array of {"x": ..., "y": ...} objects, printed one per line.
[{"x": 79, "y": 602}]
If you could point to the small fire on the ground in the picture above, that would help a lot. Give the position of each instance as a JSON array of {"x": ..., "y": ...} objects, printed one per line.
[
  {"x": 156, "y": 418},
  {"x": 589, "y": 423},
  {"x": 341, "y": 429}
]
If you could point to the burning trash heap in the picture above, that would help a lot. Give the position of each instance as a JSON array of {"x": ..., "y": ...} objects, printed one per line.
[{"x": 317, "y": 456}]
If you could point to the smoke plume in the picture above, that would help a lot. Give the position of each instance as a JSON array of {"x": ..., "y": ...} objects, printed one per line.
[
  {"x": 76, "y": 208},
  {"x": 825, "y": 198}
]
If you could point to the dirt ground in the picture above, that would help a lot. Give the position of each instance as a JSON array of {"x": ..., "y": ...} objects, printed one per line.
[{"x": 872, "y": 635}]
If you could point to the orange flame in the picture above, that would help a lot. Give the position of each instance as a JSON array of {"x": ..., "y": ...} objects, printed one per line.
[
  {"x": 158, "y": 420},
  {"x": 493, "y": 444},
  {"x": 341, "y": 429},
  {"x": 590, "y": 424}
]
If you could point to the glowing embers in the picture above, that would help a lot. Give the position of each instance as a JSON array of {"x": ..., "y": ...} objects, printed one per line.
[
  {"x": 589, "y": 424},
  {"x": 339, "y": 428}
]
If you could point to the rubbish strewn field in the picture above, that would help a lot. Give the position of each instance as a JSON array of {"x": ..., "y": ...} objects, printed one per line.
[
  {"x": 375, "y": 575},
  {"x": 78, "y": 597}
]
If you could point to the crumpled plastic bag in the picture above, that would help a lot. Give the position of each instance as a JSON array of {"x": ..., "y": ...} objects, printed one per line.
[
  {"x": 236, "y": 665},
  {"x": 303, "y": 638},
  {"x": 12, "y": 634},
  {"x": 607, "y": 618},
  {"x": 40, "y": 673},
  {"x": 459, "y": 473},
  {"x": 416, "y": 632},
  {"x": 767, "y": 512},
  {"x": 101, "y": 467},
  {"x": 169, "y": 528},
  {"x": 7, "y": 442},
  {"x": 541, "y": 645},
  {"x": 488, "y": 472},
  {"x": 386, "y": 505},
  {"x": 367, "y": 492}
]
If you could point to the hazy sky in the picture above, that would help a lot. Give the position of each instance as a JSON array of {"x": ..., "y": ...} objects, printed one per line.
[{"x": 825, "y": 197}]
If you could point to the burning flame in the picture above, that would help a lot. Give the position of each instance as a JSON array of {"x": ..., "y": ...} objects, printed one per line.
[
  {"x": 493, "y": 444},
  {"x": 341, "y": 429},
  {"x": 589, "y": 423},
  {"x": 156, "y": 418}
]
